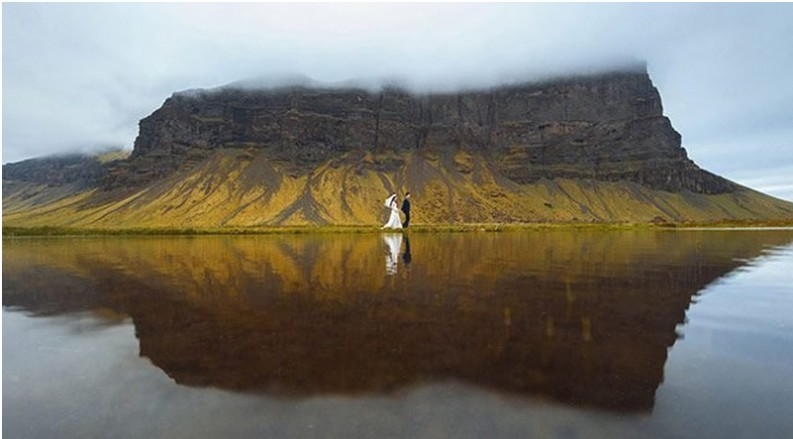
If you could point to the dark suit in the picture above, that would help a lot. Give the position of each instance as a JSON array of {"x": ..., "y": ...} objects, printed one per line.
[{"x": 406, "y": 209}]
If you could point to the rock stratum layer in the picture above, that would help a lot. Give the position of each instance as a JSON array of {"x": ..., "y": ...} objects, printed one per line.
[{"x": 595, "y": 149}]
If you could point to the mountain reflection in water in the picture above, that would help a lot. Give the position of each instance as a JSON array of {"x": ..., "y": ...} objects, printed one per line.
[{"x": 579, "y": 317}]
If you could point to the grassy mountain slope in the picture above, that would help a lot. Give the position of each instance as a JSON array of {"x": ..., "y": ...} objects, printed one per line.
[{"x": 242, "y": 188}]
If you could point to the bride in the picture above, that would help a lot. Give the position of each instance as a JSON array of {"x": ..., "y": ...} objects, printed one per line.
[{"x": 394, "y": 221}]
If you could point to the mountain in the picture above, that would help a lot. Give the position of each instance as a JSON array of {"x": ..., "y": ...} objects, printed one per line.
[{"x": 590, "y": 148}]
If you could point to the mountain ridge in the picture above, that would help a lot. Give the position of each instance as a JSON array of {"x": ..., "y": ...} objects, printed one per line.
[{"x": 595, "y": 149}]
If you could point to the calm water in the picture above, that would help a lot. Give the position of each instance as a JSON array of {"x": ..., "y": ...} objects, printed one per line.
[{"x": 547, "y": 334}]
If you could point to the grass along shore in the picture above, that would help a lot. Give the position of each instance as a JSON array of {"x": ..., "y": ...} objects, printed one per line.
[{"x": 12, "y": 231}]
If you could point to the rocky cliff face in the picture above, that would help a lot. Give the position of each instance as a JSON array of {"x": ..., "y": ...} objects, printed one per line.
[
  {"x": 593, "y": 149},
  {"x": 56, "y": 171},
  {"x": 609, "y": 127}
]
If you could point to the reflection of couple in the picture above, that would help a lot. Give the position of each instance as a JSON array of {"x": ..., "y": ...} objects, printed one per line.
[
  {"x": 394, "y": 241},
  {"x": 394, "y": 220}
]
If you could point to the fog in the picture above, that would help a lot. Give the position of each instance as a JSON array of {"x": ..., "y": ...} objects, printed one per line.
[{"x": 78, "y": 77}]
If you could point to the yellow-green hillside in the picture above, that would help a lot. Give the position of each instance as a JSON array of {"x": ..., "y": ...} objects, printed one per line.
[{"x": 237, "y": 188}]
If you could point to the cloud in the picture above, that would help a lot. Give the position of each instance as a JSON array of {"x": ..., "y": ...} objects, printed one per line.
[{"x": 80, "y": 76}]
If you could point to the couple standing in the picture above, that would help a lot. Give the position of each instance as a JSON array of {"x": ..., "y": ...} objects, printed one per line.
[{"x": 394, "y": 221}]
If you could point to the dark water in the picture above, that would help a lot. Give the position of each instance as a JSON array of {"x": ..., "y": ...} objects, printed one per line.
[{"x": 527, "y": 334}]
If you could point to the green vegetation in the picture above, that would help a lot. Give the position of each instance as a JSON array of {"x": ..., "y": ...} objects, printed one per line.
[
  {"x": 243, "y": 190},
  {"x": 208, "y": 119},
  {"x": 418, "y": 228},
  {"x": 730, "y": 224}
]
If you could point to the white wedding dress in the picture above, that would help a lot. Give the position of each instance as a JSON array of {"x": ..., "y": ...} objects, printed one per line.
[{"x": 394, "y": 221}]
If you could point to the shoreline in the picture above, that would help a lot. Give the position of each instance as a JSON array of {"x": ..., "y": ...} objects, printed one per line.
[{"x": 14, "y": 231}]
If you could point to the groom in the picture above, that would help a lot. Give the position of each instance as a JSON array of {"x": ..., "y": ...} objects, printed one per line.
[{"x": 406, "y": 209}]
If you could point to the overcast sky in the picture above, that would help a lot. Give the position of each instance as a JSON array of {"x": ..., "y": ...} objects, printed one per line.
[{"x": 79, "y": 77}]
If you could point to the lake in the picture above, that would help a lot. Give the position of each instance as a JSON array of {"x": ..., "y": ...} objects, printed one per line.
[{"x": 542, "y": 333}]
